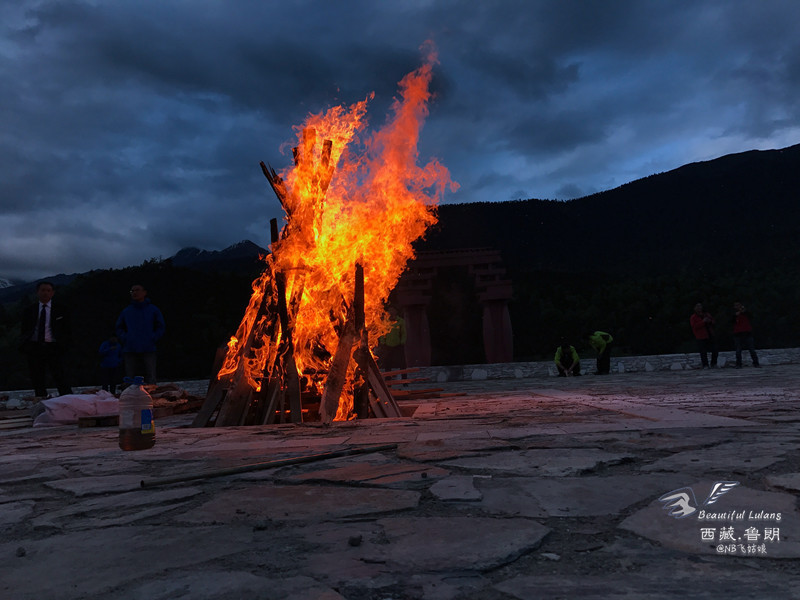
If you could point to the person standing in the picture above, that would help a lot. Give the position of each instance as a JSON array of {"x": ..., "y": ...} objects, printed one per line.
[
  {"x": 110, "y": 360},
  {"x": 139, "y": 326},
  {"x": 601, "y": 342},
  {"x": 702, "y": 324},
  {"x": 45, "y": 339},
  {"x": 391, "y": 349},
  {"x": 567, "y": 360},
  {"x": 743, "y": 334}
]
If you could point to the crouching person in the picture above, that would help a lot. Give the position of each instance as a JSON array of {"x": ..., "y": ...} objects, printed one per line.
[{"x": 567, "y": 360}]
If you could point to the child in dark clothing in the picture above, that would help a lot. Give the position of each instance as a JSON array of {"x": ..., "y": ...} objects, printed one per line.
[{"x": 110, "y": 360}]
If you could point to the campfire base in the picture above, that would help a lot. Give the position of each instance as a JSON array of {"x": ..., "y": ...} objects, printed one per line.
[
  {"x": 282, "y": 397},
  {"x": 222, "y": 408}
]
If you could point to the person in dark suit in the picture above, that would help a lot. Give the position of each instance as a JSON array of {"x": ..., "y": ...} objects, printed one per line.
[{"x": 45, "y": 338}]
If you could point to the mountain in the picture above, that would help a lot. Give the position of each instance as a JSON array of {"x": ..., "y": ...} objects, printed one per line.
[
  {"x": 735, "y": 212},
  {"x": 242, "y": 255},
  {"x": 15, "y": 292},
  {"x": 240, "y": 258}
]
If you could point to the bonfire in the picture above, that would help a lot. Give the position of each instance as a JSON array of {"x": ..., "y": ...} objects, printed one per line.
[{"x": 354, "y": 203}]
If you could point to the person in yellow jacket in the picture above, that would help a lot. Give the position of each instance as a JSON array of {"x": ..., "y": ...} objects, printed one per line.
[
  {"x": 601, "y": 342},
  {"x": 392, "y": 346},
  {"x": 567, "y": 360}
]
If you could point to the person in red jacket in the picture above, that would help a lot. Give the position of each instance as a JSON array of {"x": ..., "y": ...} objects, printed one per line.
[
  {"x": 703, "y": 328},
  {"x": 743, "y": 334}
]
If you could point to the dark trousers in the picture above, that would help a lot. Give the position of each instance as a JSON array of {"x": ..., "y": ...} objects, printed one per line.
[
  {"x": 391, "y": 357},
  {"x": 44, "y": 357},
  {"x": 109, "y": 378},
  {"x": 604, "y": 361},
  {"x": 706, "y": 346},
  {"x": 745, "y": 340},
  {"x": 141, "y": 363}
]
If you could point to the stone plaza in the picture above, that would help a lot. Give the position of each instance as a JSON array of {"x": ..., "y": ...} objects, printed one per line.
[{"x": 662, "y": 483}]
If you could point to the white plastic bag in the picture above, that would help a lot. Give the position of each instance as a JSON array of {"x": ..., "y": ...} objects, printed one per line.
[{"x": 66, "y": 410}]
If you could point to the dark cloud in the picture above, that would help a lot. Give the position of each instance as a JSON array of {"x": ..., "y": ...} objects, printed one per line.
[{"x": 131, "y": 130}]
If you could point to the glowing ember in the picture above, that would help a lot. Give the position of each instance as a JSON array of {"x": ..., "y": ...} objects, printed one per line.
[{"x": 343, "y": 206}]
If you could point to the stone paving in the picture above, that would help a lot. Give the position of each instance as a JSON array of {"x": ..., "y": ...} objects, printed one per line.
[{"x": 515, "y": 489}]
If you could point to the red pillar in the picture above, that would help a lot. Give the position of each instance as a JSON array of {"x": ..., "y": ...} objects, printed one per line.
[
  {"x": 498, "y": 340},
  {"x": 418, "y": 335}
]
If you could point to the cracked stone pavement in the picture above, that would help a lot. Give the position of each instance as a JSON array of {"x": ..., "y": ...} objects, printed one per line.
[{"x": 515, "y": 489}]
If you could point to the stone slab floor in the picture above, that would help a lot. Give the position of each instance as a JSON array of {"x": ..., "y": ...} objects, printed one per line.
[{"x": 639, "y": 485}]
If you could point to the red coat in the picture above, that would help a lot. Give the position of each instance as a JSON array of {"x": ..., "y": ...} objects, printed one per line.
[
  {"x": 741, "y": 323},
  {"x": 701, "y": 328}
]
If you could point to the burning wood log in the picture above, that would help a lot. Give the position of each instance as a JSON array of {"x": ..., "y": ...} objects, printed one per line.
[
  {"x": 289, "y": 373},
  {"x": 370, "y": 390},
  {"x": 382, "y": 403},
  {"x": 378, "y": 395},
  {"x": 361, "y": 388},
  {"x": 337, "y": 374},
  {"x": 231, "y": 393}
]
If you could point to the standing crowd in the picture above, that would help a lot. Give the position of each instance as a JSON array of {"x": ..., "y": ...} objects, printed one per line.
[
  {"x": 46, "y": 336},
  {"x": 131, "y": 348},
  {"x": 702, "y": 323}
]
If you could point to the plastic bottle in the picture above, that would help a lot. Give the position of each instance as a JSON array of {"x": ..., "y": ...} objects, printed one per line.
[{"x": 137, "y": 430}]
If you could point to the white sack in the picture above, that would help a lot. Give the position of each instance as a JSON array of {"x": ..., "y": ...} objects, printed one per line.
[{"x": 65, "y": 410}]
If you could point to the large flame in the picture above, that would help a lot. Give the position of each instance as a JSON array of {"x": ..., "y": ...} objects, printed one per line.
[{"x": 377, "y": 202}]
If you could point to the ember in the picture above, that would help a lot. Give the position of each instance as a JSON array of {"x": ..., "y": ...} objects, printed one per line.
[{"x": 353, "y": 210}]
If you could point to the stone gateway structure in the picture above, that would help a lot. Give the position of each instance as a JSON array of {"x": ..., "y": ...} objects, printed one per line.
[{"x": 414, "y": 290}]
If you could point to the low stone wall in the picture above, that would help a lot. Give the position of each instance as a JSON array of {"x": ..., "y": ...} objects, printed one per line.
[
  {"x": 622, "y": 364},
  {"x": 21, "y": 399}
]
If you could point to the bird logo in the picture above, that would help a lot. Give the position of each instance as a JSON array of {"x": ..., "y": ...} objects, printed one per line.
[{"x": 681, "y": 502}]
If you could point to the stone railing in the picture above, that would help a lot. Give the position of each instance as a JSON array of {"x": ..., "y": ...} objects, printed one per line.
[{"x": 621, "y": 364}]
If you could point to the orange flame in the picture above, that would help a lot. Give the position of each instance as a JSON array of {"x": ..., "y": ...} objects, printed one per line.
[{"x": 344, "y": 207}]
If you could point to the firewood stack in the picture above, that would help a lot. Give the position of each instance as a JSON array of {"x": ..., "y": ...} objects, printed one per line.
[{"x": 281, "y": 393}]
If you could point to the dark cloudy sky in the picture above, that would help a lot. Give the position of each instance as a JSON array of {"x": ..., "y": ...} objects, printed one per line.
[{"x": 131, "y": 129}]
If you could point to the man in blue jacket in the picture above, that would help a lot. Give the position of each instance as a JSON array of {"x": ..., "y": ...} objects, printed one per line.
[{"x": 139, "y": 327}]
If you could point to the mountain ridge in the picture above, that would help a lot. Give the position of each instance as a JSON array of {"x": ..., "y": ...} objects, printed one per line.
[
  {"x": 701, "y": 214},
  {"x": 240, "y": 256}
]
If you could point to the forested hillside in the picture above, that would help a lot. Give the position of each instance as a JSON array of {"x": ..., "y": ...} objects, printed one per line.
[{"x": 732, "y": 213}]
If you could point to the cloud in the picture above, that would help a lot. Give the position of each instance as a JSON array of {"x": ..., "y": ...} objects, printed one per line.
[{"x": 131, "y": 130}]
